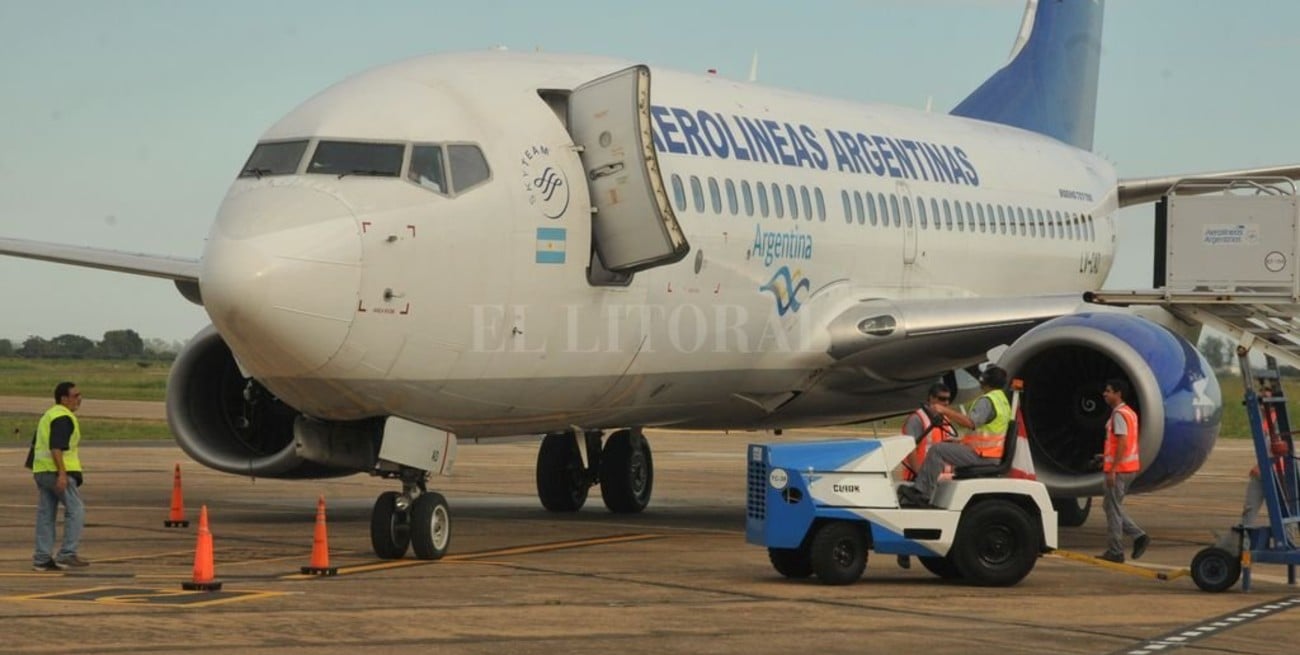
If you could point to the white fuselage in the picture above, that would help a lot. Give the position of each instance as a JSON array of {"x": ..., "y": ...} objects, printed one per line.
[{"x": 362, "y": 296}]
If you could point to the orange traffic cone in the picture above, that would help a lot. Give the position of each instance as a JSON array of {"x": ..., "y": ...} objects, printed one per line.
[
  {"x": 204, "y": 569},
  {"x": 320, "y": 547},
  {"x": 176, "y": 518}
]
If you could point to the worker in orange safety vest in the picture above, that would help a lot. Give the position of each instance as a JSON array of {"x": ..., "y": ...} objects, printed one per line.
[{"x": 1120, "y": 465}]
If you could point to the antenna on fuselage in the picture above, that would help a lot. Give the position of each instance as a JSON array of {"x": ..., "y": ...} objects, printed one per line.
[{"x": 753, "y": 68}]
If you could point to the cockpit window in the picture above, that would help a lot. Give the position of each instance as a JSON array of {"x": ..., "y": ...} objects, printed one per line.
[
  {"x": 468, "y": 167},
  {"x": 350, "y": 158},
  {"x": 427, "y": 169},
  {"x": 279, "y": 158}
]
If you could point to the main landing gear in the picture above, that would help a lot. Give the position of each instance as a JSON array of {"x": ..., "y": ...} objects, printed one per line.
[
  {"x": 623, "y": 467},
  {"x": 416, "y": 518}
]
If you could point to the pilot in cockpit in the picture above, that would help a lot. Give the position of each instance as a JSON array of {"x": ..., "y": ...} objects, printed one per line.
[{"x": 427, "y": 169}]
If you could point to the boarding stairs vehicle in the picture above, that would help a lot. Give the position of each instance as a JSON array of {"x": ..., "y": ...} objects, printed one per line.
[
  {"x": 819, "y": 508},
  {"x": 1226, "y": 258}
]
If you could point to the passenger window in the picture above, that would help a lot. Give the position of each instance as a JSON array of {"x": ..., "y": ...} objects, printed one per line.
[
  {"x": 961, "y": 219},
  {"x": 778, "y": 206},
  {"x": 947, "y": 215},
  {"x": 679, "y": 193},
  {"x": 1002, "y": 220},
  {"x": 821, "y": 205},
  {"x": 884, "y": 210},
  {"x": 871, "y": 207},
  {"x": 806, "y": 199},
  {"x": 748, "y": 196},
  {"x": 979, "y": 209},
  {"x": 1020, "y": 218},
  {"x": 732, "y": 204},
  {"x": 857, "y": 205},
  {"x": 427, "y": 169},
  {"x": 343, "y": 158},
  {"x": 468, "y": 167},
  {"x": 848, "y": 208},
  {"x": 762, "y": 199},
  {"x": 715, "y": 196},
  {"x": 1092, "y": 231},
  {"x": 794, "y": 203},
  {"x": 697, "y": 194},
  {"x": 907, "y": 212},
  {"x": 274, "y": 159}
]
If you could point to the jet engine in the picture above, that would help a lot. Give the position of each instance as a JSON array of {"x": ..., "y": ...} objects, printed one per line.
[
  {"x": 1065, "y": 363},
  {"x": 233, "y": 424}
]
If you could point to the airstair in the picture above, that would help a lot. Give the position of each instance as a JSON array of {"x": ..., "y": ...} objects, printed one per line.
[{"x": 1226, "y": 257}]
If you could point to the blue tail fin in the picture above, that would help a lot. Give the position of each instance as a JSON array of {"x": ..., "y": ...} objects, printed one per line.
[{"x": 1050, "y": 84}]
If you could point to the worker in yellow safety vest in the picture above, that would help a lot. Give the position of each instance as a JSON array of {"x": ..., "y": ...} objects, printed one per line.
[
  {"x": 56, "y": 467},
  {"x": 1120, "y": 465},
  {"x": 988, "y": 420}
]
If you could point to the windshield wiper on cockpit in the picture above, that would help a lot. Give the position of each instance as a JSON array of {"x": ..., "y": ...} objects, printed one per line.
[
  {"x": 259, "y": 172},
  {"x": 368, "y": 172}
]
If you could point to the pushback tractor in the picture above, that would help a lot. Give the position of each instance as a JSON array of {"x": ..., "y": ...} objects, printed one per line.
[{"x": 819, "y": 508}]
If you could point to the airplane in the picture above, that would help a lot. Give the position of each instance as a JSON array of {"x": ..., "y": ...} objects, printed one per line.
[{"x": 490, "y": 244}]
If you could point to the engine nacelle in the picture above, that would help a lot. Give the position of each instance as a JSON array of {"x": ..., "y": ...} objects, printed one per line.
[
  {"x": 230, "y": 423},
  {"x": 1065, "y": 364}
]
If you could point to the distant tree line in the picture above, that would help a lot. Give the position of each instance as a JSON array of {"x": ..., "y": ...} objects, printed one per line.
[{"x": 116, "y": 344}]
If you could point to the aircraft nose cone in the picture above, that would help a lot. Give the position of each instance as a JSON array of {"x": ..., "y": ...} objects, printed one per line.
[{"x": 280, "y": 278}]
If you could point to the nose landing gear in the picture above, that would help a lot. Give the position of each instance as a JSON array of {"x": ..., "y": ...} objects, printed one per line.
[{"x": 416, "y": 518}]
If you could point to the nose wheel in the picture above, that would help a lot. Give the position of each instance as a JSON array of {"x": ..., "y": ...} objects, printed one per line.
[{"x": 414, "y": 518}]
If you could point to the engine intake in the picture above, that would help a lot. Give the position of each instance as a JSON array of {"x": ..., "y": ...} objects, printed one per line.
[
  {"x": 231, "y": 423},
  {"x": 1065, "y": 364}
]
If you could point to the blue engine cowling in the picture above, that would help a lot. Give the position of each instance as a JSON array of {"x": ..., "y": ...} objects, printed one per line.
[{"x": 1065, "y": 364}]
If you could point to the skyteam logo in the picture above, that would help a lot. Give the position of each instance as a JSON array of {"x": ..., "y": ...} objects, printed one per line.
[
  {"x": 545, "y": 182},
  {"x": 785, "y": 287}
]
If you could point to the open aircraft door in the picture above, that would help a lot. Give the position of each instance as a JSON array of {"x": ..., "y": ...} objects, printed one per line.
[{"x": 632, "y": 223}]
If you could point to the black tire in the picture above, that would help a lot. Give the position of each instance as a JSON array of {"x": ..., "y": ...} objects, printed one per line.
[
  {"x": 997, "y": 544},
  {"x": 791, "y": 562},
  {"x": 941, "y": 566},
  {"x": 1215, "y": 569},
  {"x": 430, "y": 526},
  {"x": 562, "y": 481},
  {"x": 390, "y": 529},
  {"x": 839, "y": 553},
  {"x": 627, "y": 472},
  {"x": 1070, "y": 513}
]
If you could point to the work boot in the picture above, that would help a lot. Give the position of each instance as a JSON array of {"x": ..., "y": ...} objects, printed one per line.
[
  {"x": 912, "y": 497},
  {"x": 48, "y": 565},
  {"x": 1140, "y": 546}
]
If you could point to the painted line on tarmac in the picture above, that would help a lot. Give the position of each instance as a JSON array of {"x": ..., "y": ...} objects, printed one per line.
[
  {"x": 485, "y": 554},
  {"x": 1186, "y": 635},
  {"x": 1131, "y": 568},
  {"x": 150, "y": 596}
]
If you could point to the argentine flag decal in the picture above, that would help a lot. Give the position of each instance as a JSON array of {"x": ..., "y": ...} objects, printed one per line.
[{"x": 550, "y": 245}]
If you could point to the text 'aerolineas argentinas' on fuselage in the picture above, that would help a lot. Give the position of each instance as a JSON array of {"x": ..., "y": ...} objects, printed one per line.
[{"x": 713, "y": 134}]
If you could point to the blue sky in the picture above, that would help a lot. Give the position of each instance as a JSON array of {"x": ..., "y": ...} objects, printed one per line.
[{"x": 122, "y": 123}]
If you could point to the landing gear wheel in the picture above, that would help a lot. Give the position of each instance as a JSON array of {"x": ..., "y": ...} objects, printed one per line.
[
  {"x": 562, "y": 480},
  {"x": 627, "y": 472},
  {"x": 1072, "y": 512},
  {"x": 839, "y": 553},
  {"x": 430, "y": 526},
  {"x": 941, "y": 566},
  {"x": 1215, "y": 569},
  {"x": 996, "y": 545},
  {"x": 390, "y": 528},
  {"x": 791, "y": 562}
]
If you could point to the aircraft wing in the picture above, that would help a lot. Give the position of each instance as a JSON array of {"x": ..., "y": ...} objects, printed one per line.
[
  {"x": 1138, "y": 190},
  {"x": 184, "y": 272},
  {"x": 914, "y": 339}
]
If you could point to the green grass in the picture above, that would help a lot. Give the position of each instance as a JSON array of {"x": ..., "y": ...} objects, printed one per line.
[
  {"x": 104, "y": 379},
  {"x": 18, "y": 429}
]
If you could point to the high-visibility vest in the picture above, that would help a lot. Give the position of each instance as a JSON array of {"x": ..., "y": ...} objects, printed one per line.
[
  {"x": 1127, "y": 461},
  {"x": 931, "y": 433},
  {"x": 986, "y": 440},
  {"x": 42, "y": 458}
]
